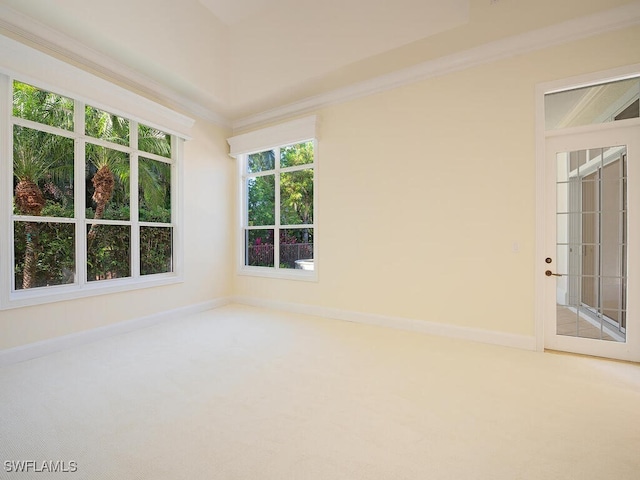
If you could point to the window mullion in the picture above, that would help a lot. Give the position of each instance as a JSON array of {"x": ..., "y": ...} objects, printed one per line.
[
  {"x": 276, "y": 232},
  {"x": 177, "y": 207},
  {"x": 134, "y": 199},
  {"x": 243, "y": 254},
  {"x": 61, "y": 132},
  {"x": 79, "y": 192}
]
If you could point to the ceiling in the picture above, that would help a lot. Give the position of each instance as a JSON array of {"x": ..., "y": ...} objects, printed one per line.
[
  {"x": 233, "y": 59},
  {"x": 232, "y": 12}
]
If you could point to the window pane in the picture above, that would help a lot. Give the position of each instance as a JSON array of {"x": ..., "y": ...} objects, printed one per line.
[
  {"x": 155, "y": 250},
  {"x": 296, "y": 197},
  {"x": 44, "y": 254},
  {"x": 108, "y": 252},
  {"x": 261, "y": 198},
  {"x": 603, "y": 103},
  {"x": 296, "y": 248},
  {"x": 154, "y": 141},
  {"x": 41, "y": 106},
  {"x": 261, "y": 161},
  {"x": 299, "y": 154},
  {"x": 259, "y": 248},
  {"x": 154, "y": 191},
  {"x": 43, "y": 173},
  {"x": 107, "y": 180},
  {"x": 104, "y": 125}
]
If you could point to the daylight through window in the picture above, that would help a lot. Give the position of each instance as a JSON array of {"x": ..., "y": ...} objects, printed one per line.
[
  {"x": 278, "y": 187},
  {"x": 92, "y": 194}
]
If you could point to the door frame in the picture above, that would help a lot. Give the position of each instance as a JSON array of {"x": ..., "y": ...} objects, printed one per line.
[{"x": 541, "y": 174}]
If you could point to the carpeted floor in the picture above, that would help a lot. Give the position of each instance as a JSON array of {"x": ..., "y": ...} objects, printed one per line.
[{"x": 246, "y": 393}]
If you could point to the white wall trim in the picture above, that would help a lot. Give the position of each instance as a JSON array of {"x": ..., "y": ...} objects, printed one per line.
[
  {"x": 572, "y": 30},
  {"x": 51, "y": 41},
  {"x": 399, "y": 323},
  {"x": 38, "y": 349}
]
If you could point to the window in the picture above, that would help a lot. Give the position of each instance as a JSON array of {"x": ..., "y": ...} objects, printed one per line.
[
  {"x": 595, "y": 104},
  {"x": 277, "y": 234},
  {"x": 93, "y": 200}
]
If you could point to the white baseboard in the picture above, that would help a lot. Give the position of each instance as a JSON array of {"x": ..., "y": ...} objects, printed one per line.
[
  {"x": 423, "y": 326},
  {"x": 45, "y": 347},
  {"x": 38, "y": 349}
]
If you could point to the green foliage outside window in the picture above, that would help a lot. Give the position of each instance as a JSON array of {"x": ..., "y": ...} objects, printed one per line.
[
  {"x": 296, "y": 192},
  {"x": 43, "y": 167}
]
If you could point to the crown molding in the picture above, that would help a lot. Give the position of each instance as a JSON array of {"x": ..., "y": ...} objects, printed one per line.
[
  {"x": 572, "y": 30},
  {"x": 46, "y": 39}
]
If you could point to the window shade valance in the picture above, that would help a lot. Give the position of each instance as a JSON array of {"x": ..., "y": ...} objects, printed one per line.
[{"x": 266, "y": 138}]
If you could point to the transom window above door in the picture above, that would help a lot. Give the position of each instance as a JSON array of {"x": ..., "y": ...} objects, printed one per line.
[{"x": 594, "y": 104}]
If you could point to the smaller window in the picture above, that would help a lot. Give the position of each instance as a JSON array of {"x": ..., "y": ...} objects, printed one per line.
[
  {"x": 279, "y": 208},
  {"x": 278, "y": 174}
]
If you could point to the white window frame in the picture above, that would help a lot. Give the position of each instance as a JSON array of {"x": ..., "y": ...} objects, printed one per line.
[
  {"x": 33, "y": 67},
  {"x": 274, "y": 138}
]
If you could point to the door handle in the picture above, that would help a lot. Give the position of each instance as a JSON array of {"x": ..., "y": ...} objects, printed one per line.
[{"x": 548, "y": 273}]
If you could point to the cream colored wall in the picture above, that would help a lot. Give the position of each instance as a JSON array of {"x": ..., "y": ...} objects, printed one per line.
[
  {"x": 423, "y": 191},
  {"x": 208, "y": 179}
]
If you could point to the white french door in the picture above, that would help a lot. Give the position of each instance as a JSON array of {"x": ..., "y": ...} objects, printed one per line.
[{"x": 592, "y": 243}]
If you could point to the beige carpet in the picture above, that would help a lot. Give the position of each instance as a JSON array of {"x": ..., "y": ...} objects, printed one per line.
[{"x": 245, "y": 393}]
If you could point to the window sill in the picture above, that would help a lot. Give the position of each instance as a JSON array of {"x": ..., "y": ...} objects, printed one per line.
[
  {"x": 44, "y": 295},
  {"x": 280, "y": 273}
]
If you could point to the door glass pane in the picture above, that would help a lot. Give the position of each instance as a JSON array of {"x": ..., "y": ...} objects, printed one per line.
[{"x": 591, "y": 243}]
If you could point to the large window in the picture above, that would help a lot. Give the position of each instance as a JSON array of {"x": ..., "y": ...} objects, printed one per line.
[
  {"x": 93, "y": 197},
  {"x": 277, "y": 205}
]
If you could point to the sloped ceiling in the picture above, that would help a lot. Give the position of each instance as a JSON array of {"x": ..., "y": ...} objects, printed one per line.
[
  {"x": 238, "y": 58},
  {"x": 232, "y": 12}
]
